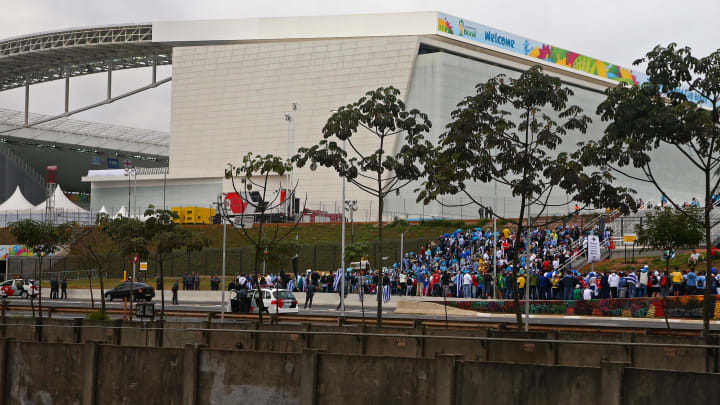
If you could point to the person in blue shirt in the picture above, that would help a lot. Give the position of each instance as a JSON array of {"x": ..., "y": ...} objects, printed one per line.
[
  {"x": 700, "y": 284},
  {"x": 691, "y": 282}
]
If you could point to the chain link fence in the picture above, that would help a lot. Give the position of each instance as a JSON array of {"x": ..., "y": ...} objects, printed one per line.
[{"x": 322, "y": 257}]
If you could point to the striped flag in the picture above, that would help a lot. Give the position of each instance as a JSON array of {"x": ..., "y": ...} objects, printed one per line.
[
  {"x": 386, "y": 293},
  {"x": 338, "y": 277},
  {"x": 458, "y": 284}
]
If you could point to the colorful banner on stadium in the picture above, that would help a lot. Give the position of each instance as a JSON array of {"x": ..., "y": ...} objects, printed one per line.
[
  {"x": 483, "y": 34},
  {"x": 13, "y": 250}
]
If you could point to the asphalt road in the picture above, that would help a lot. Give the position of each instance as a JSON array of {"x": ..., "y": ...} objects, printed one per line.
[{"x": 388, "y": 313}]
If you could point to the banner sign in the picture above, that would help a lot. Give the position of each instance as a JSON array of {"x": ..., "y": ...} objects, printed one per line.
[
  {"x": 457, "y": 27},
  {"x": 593, "y": 248},
  {"x": 14, "y": 250}
]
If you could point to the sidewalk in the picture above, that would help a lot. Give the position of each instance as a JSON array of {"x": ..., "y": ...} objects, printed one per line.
[{"x": 188, "y": 296}]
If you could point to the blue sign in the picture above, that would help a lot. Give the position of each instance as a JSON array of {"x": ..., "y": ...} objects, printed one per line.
[{"x": 113, "y": 163}]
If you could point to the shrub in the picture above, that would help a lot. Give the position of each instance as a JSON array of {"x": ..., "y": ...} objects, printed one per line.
[{"x": 97, "y": 316}]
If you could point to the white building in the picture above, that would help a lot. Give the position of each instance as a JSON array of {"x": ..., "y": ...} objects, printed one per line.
[{"x": 234, "y": 81}]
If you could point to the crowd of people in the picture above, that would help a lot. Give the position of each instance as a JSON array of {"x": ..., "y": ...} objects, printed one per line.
[
  {"x": 478, "y": 263},
  {"x": 466, "y": 264}
]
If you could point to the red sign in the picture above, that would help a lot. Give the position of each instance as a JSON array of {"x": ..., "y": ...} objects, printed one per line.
[
  {"x": 136, "y": 258},
  {"x": 237, "y": 204}
]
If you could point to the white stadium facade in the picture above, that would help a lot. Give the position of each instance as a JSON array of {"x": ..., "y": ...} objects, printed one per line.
[{"x": 234, "y": 83}]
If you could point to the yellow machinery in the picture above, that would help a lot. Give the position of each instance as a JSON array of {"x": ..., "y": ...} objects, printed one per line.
[{"x": 194, "y": 215}]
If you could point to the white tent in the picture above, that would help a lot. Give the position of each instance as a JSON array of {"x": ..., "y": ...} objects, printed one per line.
[
  {"x": 121, "y": 213},
  {"x": 16, "y": 202},
  {"x": 103, "y": 210},
  {"x": 61, "y": 203}
]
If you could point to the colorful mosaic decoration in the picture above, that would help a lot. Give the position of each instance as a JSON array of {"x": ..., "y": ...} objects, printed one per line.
[
  {"x": 468, "y": 30},
  {"x": 14, "y": 250},
  {"x": 676, "y": 307}
]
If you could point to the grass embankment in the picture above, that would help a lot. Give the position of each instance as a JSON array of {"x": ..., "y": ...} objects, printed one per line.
[{"x": 311, "y": 234}]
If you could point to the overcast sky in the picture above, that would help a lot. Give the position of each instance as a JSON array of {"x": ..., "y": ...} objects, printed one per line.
[{"x": 618, "y": 31}]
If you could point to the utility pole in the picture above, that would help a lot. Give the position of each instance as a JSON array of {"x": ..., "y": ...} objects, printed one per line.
[
  {"x": 495, "y": 258},
  {"x": 222, "y": 310},
  {"x": 342, "y": 251}
]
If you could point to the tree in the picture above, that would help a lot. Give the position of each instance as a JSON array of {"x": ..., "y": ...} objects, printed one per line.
[
  {"x": 97, "y": 247},
  {"x": 678, "y": 108},
  {"x": 505, "y": 134},
  {"x": 156, "y": 238},
  {"x": 254, "y": 176},
  {"x": 669, "y": 230},
  {"x": 43, "y": 239},
  {"x": 382, "y": 115}
]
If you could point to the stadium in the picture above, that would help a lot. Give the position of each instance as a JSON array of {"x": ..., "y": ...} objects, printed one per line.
[{"x": 268, "y": 85}]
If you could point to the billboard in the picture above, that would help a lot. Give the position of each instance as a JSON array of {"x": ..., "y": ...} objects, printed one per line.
[
  {"x": 459, "y": 28},
  {"x": 14, "y": 250}
]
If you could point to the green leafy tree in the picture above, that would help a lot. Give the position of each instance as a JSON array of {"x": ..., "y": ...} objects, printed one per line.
[
  {"x": 506, "y": 133},
  {"x": 157, "y": 238},
  {"x": 255, "y": 175},
  {"x": 43, "y": 239},
  {"x": 96, "y": 246},
  {"x": 669, "y": 230},
  {"x": 381, "y": 115},
  {"x": 662, "y": 113},
  {"x": 354, "y": 252}
]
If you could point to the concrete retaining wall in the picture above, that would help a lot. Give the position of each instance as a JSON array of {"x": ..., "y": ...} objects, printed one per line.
[
  {"x": 90, "y": 373},
  {"x": 418, "y": 342}
]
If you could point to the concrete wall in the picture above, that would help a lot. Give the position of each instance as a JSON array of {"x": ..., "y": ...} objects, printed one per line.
[
  {"x": 535, "y": 347},
  {"x": 60, "y": 373}
]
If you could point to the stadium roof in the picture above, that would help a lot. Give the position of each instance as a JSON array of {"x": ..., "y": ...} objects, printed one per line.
[
  {"x": 85, "y": 134},
  {"x": 47, "y": 56}
]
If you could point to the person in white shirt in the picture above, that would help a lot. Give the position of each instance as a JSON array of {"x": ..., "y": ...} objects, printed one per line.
[
  {"x": 614, "y": 280},
  {"x": 587, "y": 294},
  {"x": 467, "y": 285}
]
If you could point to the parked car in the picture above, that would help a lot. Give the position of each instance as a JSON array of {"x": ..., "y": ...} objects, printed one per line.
[
  {"x": 141, "y": 291},
  {"x": 19, "y": 287},
  {"x": 281, "y": 300}
]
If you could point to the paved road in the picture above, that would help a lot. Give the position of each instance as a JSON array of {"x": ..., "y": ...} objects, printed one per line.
[{"x": 356, "y": 311}]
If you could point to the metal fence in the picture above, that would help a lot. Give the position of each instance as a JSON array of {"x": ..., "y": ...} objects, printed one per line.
[
  {"x": 454, "y": 208},
  {"x": 323, "y": 257}
]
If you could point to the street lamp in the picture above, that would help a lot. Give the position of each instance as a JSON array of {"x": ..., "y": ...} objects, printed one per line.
[
  {"x": 351, "y": 207},
  {"x": 131, "y": 173},
  {"x": 289, "y": 117}
]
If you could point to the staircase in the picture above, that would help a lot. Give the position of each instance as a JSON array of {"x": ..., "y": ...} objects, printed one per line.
[{"x": 578, "y": 260}]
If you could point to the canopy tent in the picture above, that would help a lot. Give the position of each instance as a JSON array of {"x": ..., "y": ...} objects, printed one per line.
[
  {"x": 61, "y": 203},
  {"x": 121, "y": 213},
  {"x": 16, "y": 202},
  {"x": 103, "y": 210}
]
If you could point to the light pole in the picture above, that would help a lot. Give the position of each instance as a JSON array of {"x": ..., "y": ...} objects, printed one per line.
[
  {"x": 289, "y": 117},
  {"x": 342, "y": 252},
  {"x": 351, "y": 207},
  {"x": 130, "y": 172}
]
